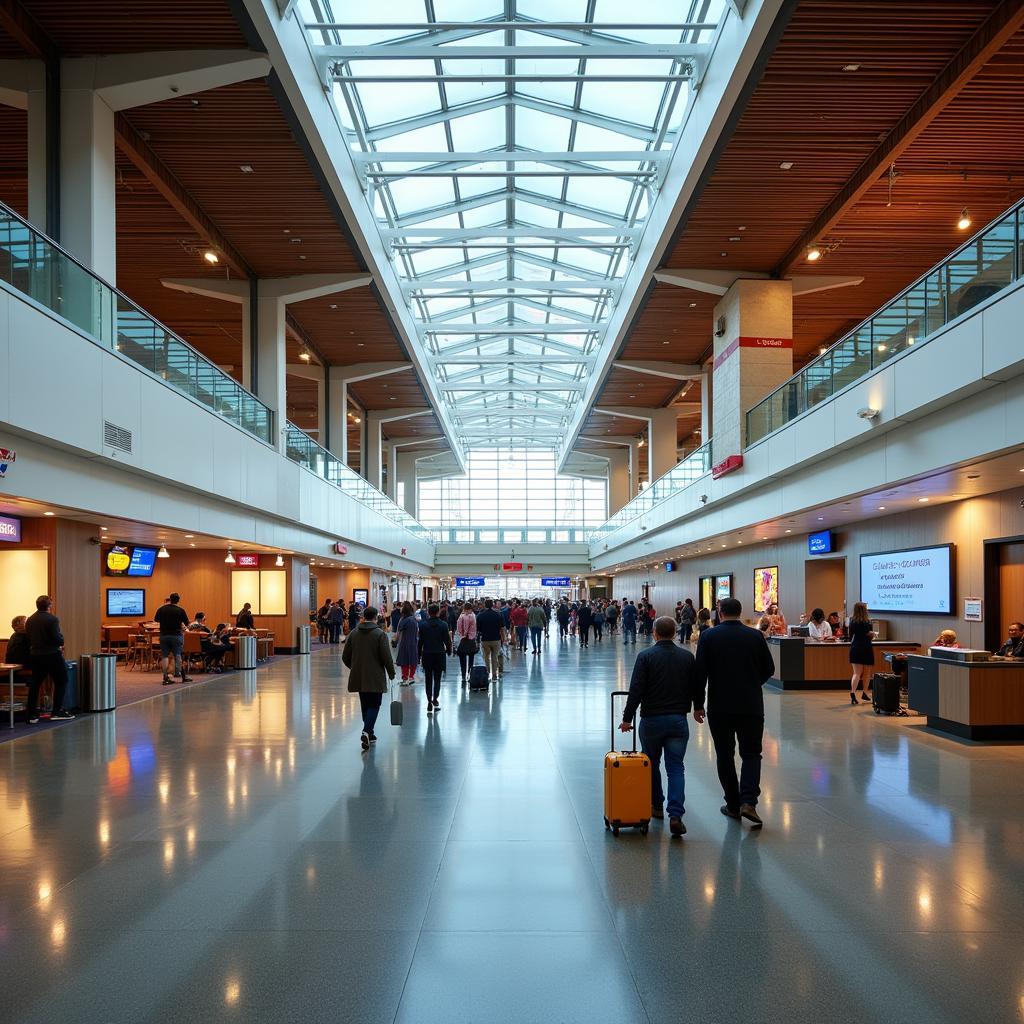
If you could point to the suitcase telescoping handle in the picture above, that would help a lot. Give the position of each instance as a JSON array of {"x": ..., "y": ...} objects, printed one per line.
[{"x": 620, "y": 693}]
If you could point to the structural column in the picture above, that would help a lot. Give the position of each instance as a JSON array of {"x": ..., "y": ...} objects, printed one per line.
[
  {"x": 619, "y": 491},
  {"x": 338, "y": 380},
  {"x": 661, "y": 442},
  {"x": 753, "y": 355}
]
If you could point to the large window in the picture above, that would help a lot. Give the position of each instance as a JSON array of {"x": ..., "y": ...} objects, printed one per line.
[{"x": 512, "y": 487}]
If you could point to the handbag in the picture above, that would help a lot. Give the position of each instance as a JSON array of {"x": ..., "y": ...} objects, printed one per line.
[{"x": 467, "y": 646}]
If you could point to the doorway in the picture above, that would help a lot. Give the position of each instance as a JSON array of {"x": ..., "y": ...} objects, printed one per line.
[
  {"x": 1004, "y": 587},
  {"x": 825, "y": 586}
]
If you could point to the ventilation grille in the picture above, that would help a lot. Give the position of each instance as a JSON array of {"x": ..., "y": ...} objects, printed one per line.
[{"x": 117, "y": 437}]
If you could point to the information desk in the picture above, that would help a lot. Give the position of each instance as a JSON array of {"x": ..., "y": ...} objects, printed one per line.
[
  {"x": 802, "y": 664},
  {"x": 978, "y": 700}
]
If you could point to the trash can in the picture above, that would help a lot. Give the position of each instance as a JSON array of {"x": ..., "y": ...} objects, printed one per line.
[
  {"x": 303, "y": 640},
  {"x": 99, "y": 679},
  {"x": 245, "y": 652}
]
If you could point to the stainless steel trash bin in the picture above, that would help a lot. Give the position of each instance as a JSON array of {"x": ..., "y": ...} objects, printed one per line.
[
  {"x": 245, "y": 652},
  {"x": 99, "y": 682},
  {"x": 303, "y": 639}
]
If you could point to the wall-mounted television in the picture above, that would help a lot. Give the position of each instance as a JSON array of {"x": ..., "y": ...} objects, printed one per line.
[
  {"x": 916, "y": 580},
  {"x": 142, "y": 562},
  {"x": 766, "y": 587},
  {"x": 670, "y": 567},
  {"x": 820, "y": 543},
  {"x": 723, "y": 586},
  {"x": 125, "y": 603},
  {"x": 128, "y": 560},
  {"x": 360, "y": 596}
]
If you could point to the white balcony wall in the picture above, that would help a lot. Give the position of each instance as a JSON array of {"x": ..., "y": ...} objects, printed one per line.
[
  {"x": 957, "y": 397},
  {"x": 188, "y": 468}
]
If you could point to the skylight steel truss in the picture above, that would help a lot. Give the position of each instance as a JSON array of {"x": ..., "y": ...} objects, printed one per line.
[{"x": 510, "y": 164}]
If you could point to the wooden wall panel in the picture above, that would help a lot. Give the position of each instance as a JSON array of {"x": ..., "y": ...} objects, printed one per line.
[
  {"x": 1011, "y": 586},
  {"x": 967, "y": 524}
]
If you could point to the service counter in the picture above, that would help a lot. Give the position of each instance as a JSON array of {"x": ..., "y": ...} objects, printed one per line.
[
  {"x": 804, "y": 664},
  {"x": 977, "y": 700}
]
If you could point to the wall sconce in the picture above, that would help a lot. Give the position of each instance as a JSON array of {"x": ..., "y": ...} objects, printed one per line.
[{"x": 868, "y": 413}]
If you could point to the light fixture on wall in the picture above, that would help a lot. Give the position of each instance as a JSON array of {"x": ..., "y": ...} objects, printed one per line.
[
  {"x": 279, "y": 562},
  {"x": 867, "y": 413},
  {"x": 230, "y": 558},
  {"x": 163, "y": 552}
]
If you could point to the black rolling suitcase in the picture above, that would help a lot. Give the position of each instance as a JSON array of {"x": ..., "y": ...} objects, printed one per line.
[
  {"x": 478, "y": 678},
  {"x": 885, "y": 693}
]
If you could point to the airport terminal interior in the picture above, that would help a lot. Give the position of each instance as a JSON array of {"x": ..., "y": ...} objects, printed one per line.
[{"x": 443, "y": 442}]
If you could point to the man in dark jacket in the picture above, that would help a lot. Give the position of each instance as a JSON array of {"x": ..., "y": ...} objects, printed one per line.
[
  {"x": 367, "y": 656},
  {"x": 662, "y": 686},
  {"x": 628, "y": 622},
  {"x": 733, "y": 662},
  {"x": 584, "y": 619},
  {"x": 45, "y": 643},
  {"x": 563, "y": 620}
]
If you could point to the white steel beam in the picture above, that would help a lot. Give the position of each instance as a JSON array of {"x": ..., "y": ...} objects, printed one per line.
[
  {"x": 426, "y": 50},
  {"x": 508, "y": 329},
  {"x": 673, "y": 371},
  {"x": 524, "y": 389},
  {"x": 519, "y": 156}
]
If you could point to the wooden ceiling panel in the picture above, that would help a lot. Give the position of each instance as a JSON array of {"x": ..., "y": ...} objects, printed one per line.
[
  {"x": 641, "y": 390},
  {"x": 14, "y": 158},
  {"x": 397, "y": 390},
  {"x": 349, "y": 327}
]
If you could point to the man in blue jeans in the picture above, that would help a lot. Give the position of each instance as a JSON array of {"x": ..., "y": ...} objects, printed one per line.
[
  {"x": 662, "y": 687},
  {"x": 629, "y": 622}
]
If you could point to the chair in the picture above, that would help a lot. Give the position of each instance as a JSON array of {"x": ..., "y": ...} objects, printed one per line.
[
  {"x": 117, "y": 640},
  {"x": 192, "y": 648}
]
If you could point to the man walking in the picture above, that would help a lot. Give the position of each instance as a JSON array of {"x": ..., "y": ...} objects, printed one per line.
[
  {"x": 491, "y": 630},
  {"x": 733, "y": 663},
  {"x": 173, "y": 621},
  {"x": 662, "y": 686},
  {"x": 628, "y": 622}
]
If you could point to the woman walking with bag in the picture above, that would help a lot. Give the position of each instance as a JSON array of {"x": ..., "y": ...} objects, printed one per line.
[
  {"x": 368, "y": 659},
  {"x": 406, "y": 640},
  {"x": 465, "y": 638}
]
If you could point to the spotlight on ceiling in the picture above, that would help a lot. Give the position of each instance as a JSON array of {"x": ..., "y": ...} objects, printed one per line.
[
  {"x": 813, "y": 252},
  {"x": 211, "y": 257},
  {"x": 965, "y": 220},
  {"x": 163, "y": 552}
]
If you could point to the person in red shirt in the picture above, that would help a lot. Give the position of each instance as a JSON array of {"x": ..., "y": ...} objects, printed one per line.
[{"x": 518, "y": 619}]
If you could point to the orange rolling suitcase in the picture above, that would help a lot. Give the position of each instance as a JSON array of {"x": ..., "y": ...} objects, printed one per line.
[{"x": 627, "y": 784}]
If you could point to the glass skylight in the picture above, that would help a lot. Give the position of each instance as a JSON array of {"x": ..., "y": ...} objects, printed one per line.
[{"x": 510, "y": 153}]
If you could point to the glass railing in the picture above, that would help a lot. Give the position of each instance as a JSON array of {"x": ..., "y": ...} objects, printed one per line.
[
  {"x": 510, "y": 534},
  {"x": 41, "y": 270},
  {"x": 991, "y": 261},
  {"x": 693, "y": 467},
  {"x": 301, "y": 448}
]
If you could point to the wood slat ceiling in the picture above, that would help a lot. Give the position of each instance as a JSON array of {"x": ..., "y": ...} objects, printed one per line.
[
  {"x": 83, "y": 27},
  {"x": 807, "y": 110}
]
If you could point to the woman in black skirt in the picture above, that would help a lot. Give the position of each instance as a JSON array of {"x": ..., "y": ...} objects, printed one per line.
[{"x": 862, "y": 652}]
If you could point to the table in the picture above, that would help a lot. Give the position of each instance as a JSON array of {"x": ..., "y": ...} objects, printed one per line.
[{"x": 10, "y": 670}]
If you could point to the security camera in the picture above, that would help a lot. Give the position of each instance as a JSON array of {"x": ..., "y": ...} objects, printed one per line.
[
  {"x": 720, "y": 327},
  {"x": 95, "y": 541}
]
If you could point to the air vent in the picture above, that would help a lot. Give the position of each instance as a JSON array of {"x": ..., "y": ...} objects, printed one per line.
[{"x": 117, "y": 437}]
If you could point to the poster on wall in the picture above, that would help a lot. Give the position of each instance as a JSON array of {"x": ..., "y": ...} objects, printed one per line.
[
  {"x": 766, "y": 587},
  {"x": 360, "y": 596},
  {"x": 918, "y": 580},
  {"x": 723, "y": 587},
  {"x": 973, "y": 609},
  {"x": 707, "y": 592}
]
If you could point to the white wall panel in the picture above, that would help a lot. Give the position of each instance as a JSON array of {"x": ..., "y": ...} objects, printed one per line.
[
  {"x": 5, "y": 345},
  {"x": 1002, "y": 331}
]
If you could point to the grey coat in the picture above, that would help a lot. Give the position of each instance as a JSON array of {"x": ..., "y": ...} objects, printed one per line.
[{"x": 367, "y": 656}]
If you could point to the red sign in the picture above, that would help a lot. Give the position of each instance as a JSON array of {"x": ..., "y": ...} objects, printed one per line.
[
  {"x": 750, "y": 342},
  {"x": 728, "y": 465},
  {"x": 247, "y": 561},
  {"x": 512, "y": 566},
  {"x": 7, "y": 456},
  {"x": 340, "y": 549}
]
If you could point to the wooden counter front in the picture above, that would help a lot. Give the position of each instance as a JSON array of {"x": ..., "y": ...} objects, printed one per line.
[
  {"x": 802, "y": 664},
  {"x": 980, "y": 700}
]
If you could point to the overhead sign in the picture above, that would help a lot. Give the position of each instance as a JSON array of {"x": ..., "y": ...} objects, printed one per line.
[
  {"x": 469, "y": 581},
  {"x": 250, "y": 560},
  {"x": 340, "y": 549},
  {"x": 729, "y": 465},
  {"x": 7, "y": 456},
  {"x": 554, "y": 581},
  {"x": 512, "y": 566},
  {"x": 820, "y": 543},
  {"x": 10, "y": 529}
]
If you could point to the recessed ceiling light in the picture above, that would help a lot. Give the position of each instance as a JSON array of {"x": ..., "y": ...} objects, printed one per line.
[
  {"x": 102, "y": 527},
  {"x": 49, "y": 513},
  {"x": 922, "y": 500},
  {"x": 301, "y": 257},
  {"x": 789, "y": 531},
  {"x": 813, "y": 252},
  {"x": 786, "y": 165},
  {"x": 742, "y": 227},
  {"x": 734, "y": 238},
  {"x": 723, "y": 254},
  {"x": 851, "y": 67},
  {"x": 821, "y": 519},
  {"x": 246, "y": 168},
  {"x": 211, "y": 257},
  {"x": 693, "y": 305},
  {"x": 881, "y": 508}
]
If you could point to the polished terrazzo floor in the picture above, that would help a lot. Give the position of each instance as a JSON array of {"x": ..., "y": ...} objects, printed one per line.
[{"x": 227, "y": 854}]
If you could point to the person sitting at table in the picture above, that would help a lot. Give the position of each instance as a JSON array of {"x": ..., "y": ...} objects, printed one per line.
[
  {"x": 836, "y": 623},
  {"x": 214, "y": 646},
  {"x": 244, "y": 620},
  {"x": 198, "y": 624},
  {"x": 947, "y": 638},
  {"x": 1013, "y": 648},
  {"x": 819, "y": 627}
]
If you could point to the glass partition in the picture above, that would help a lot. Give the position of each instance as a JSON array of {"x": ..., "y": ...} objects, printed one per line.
[
  {"x": 301, "y": 448},
  {"x": 41, "y": 270},
  {"x": 693, "y": 467},
  {"x": 980, "y": 268}
]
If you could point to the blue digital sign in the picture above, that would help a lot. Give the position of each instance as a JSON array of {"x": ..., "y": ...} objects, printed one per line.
[
  {"x": 554, "y": 581},
  {"x": 142, "y": 562},
  {"x": 469, "y": 581},
  {"x": 820, "y": 543},
  {"x": 670, "y": 567}
]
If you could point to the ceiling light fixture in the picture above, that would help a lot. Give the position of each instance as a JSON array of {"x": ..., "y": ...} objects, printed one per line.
[
  {"x": 814, "y": 252},
  {"x": 49, "y": 513},
  {"x": 211, "y": 257},
  {"x": 246, "y": 168},
  {"x": 230, "y": 559},
  {"x": 851, "y": 67},
  {"x": 965, "y": 220},
  {"x": 881, "y": 508},
  {"x": 279, "y": 561},
  {"x": 163, "y": 552},
  {"x": 304, "y": 355},
  {"x": 786, "y": 165},
  {"x": 923, "y": 500}
]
